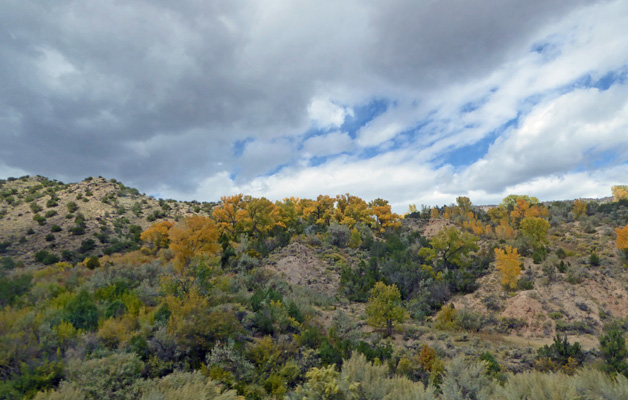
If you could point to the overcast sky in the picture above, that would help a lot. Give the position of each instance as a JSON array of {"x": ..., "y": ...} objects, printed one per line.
[{"x": 417, "y": 102}]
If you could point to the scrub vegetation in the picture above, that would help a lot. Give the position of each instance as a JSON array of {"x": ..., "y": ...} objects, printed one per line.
[{"x": 118, "y": 295}]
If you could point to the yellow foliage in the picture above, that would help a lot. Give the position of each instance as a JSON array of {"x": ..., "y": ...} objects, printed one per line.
[
  {"x": 11, "y": 318},
  {"x": 499, "y": 215},
  {"x": 505, "y": 232},
  {"x": 620, "y": 192},
  {"x": 384, "y": 217},
  {"x": 326, "y": 383},
  {"x": 136, "y": 257},
  {"x": 196, "y": 236},
  {"x": 464, "y": 204},
  {"x": 622, "y": 238},
  {"x": 427, "y": 356},
  {"x": 132, "y": 303},
  {"x": 265, "y": 351},
  {"x": 535, "y": 228},
  {"x": 447, "y": 213},
  {"x": 351, "y": 209},
  {"x": 453, "y": 246},
  {"x": 61, "y": 266},
  {"x": 289, "y": 212},
  {"x": 320, "y": 211},
  {"x": 262, "y": 216},
  {"x": 523, "y": 209},
  {"x": 232, "y": 216},
  {"x": 117, "y": 331},
  {"x": 428, "y": 268},
  {"x": 579, "y": 208},
  {"x": 356, "y": 239},
  {"x": 61, "y": 300},
  {"x": 434, "y": 213},
  {"x": 45, "y": 273},
  {"x": 445, "y": 319},
  {"x": 187, "y": 318},
  {"x": 508, "y": 264},
  {"x": 65, "y": 331},
  {"x": 404, "y": 366},
  {"x": 157, "y": 234},
  {"x": 474, "y": 226}
]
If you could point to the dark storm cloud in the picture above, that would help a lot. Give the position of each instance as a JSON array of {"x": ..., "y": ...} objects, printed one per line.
[
  {"x": 429, "y": 43},
  {"x": 153, "y": 70},
  {"x": 157, "y": 92}
]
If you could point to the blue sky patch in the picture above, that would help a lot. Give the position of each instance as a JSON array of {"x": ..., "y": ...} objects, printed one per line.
[
  {"x": 467, "y": 155},
  {"x": 363, "y": 114},
  {"x": 611, "y": 78},
  {"x": 239, "y": 145}
]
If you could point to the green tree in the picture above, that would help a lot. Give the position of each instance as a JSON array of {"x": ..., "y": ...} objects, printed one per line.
[
  {"x": 535, "y": 228},
  {"x": 560, "y": 356},
  {"x": 82, "y": 312},
  {"x": 384, "y": 307},
  {"x": 613, "y": 349},
  {"x": 453, "y": 246},
  {"x": 511, "y": 200}
]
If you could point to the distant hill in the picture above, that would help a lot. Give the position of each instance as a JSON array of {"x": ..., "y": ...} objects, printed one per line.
[{"x": 93, "y": 217}]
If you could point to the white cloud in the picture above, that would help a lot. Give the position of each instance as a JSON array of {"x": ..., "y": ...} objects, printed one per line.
[
  {"x": 159, "y": 95},
  {"x": 575, "y": 130},
  {"x": 325, "y": 114},
  {"x": 327, "y": 144}
]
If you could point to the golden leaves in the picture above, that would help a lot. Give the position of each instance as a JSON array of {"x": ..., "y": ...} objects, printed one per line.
[
  {"x": 196, "y": 235},
  {"x": 508, "y": 264}
]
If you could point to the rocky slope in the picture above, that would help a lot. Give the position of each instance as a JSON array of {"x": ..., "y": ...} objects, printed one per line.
[{"x": 91, "y": 217}]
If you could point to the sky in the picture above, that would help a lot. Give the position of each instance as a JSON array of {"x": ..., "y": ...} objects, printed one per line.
[{"x": 416, "y": 102}]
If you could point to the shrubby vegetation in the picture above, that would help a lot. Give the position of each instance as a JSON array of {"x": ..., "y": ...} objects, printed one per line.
[{"x": 190, "y": 309}]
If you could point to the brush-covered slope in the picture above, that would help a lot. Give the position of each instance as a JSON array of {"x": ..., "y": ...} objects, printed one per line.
[
  {"x": 71, "y": 221},
  {"x": 107, "y": 293}
]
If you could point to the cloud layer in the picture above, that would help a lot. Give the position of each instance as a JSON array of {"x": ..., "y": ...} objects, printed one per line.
[{"x": 416, "y": 102}]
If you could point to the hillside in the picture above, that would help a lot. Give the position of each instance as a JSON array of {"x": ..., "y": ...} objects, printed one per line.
[
  {"x": 255, "y": 298},
  {"x": 42, "y": 214}
]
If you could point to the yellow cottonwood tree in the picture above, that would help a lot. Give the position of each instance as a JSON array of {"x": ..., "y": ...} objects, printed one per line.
[
  {"x": 289, "y": 212},
  {"x": 620, "y": 192},
  {"x": 622, "y": 238},
  {"x": 263, "y": 216},
  {"x": 351, "y": 209},
  {"x": 320, "y": 211},
  {"x": 579, "y": 208},
  {"x": 505, "y": 232},
  {"x": 524, "y": 209},
  {"x": 498, "y": 215},
  {"x": 384, "y": 217},
  {"x": 474, "y": 226},
  {"x": 157, "y": 234},
  {"x": 231, "y": 216},
  {"x": 434, "y": 213},
  {"x": 508, "y": 264},
  {"x": 195, "y": 236}
]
